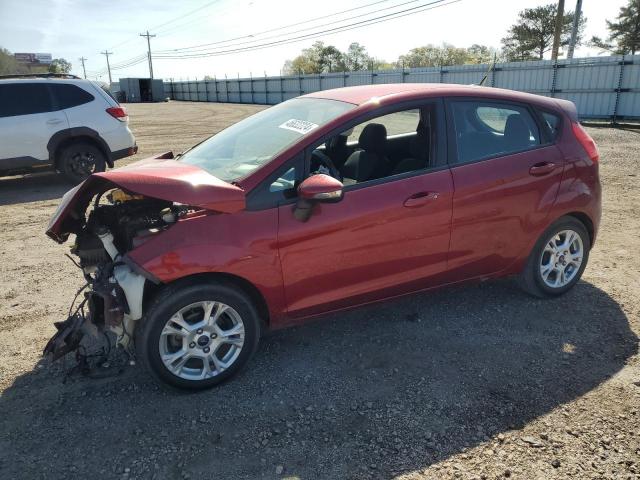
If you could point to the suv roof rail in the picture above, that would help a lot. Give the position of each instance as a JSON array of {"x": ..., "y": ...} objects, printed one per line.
[{"x": 39, "y": 75}]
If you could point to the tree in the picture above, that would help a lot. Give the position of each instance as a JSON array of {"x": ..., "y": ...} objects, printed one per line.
[
  {"x": 532, "y": 36},
  {"x": 434, "y": 56},
  {"x": 59, "y": 65},
  {"x": 624, "y": 31},
  {"x": 9, "y": 65},
  {"x": 357, "y": 58},
  {"x": 316, "y": 59}
]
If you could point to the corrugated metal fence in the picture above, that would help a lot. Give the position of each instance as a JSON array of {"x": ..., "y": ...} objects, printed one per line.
[{"x": 601, "y": 87}]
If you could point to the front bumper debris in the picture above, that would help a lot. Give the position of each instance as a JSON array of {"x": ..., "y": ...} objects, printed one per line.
[{"x": 68, "y": 337}]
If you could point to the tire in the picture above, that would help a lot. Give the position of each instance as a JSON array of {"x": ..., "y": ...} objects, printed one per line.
[
  {"x": 79, "y": 160},
  {"x": 548, "y": 265},
  {"x": 156, "y": 335}
]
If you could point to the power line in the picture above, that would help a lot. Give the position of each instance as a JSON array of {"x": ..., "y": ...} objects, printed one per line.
[
  {"x": 253, "y": 35},
  {"x": 344, "y": 28},
  {"x": 304, "y": 29},
  {"x": 166, "y": 23}
]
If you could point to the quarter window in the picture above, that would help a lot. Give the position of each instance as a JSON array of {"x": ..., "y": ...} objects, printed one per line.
[
  {"x": 24, "y": 99},
  {"x": 486, "y": 130},
  {"x": 67, "y": 96},
  {"x": 552, "y": 122}
]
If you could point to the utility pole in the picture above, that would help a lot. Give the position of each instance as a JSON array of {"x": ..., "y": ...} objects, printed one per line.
[
  {"x": 558, "y": 32},
  {"x": 149, "y": 37},
  {"x": 106, "y": 54},
  {"x": 84, "y": 71},
  {"x": 574, "y": 30}
]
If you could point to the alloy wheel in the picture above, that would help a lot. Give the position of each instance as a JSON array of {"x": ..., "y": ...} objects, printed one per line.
[
  {"x": 82, "y": 164},
  {"x": 561, "y": 258},
  {"x": 202, "y": 340}
]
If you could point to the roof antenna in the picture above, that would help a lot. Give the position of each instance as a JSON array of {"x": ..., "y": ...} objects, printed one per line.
[{"x": 491, "y": 68}]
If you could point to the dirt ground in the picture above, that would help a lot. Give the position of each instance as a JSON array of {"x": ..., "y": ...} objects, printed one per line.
[{"x": 475, "y": 382}]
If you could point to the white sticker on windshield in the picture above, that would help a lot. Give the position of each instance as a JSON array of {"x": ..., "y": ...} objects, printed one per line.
[{"x": 300, "y": 126}]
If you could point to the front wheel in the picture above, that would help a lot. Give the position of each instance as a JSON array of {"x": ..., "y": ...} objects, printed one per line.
[
  {"x": 79, "y": 160},
  {"x": 558, "y": 259},
  {"x": 197, "y": 336}
]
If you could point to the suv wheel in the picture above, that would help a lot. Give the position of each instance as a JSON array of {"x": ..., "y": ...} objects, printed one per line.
[
  {"x": 557, "y": 260},
  {"x": 79, "y": 160},
  {"x": 197, "y": 336}
]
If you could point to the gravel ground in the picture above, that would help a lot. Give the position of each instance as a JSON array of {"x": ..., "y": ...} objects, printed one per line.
[{"x": 475, "y": 382}]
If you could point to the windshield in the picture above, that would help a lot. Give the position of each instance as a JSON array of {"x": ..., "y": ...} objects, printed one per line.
[{"x": 246, "y": 146}]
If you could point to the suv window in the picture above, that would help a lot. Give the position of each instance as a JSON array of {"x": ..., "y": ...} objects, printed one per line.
[
  {"x": 24, "y": 99},
  {"x": 67, "y": 96},
  {"x": 485, "y": 129}
]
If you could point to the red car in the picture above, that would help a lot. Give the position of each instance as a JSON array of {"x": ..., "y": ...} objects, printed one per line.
[{"x": 327, "y": 201}]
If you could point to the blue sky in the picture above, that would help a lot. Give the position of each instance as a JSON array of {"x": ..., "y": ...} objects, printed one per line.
[{"x": 75, "y": 28}]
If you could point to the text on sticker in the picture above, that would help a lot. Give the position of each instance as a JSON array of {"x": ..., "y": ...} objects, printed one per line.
[{"x": 300, "y": 126}]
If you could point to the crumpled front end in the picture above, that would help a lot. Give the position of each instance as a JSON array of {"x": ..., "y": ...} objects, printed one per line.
[
  {"x": 112, "y": 296},
  {"x": 112, "y": 214}
]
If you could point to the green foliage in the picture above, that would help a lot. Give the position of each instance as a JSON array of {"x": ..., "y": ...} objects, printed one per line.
[
  {"x": 435, "y": 56},
  {"x": 9, "y": 65},
  {"x": 321, "y": 58},
  {"x": 624, "y": 32},
  {"x": 59, "y": 65},
  {"x": 532, "y": 36}
]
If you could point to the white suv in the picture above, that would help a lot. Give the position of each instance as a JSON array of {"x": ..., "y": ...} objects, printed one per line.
[{"x": 61, "y": 122}]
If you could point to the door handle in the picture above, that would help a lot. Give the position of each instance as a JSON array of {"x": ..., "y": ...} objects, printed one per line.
[
  {"x": 54, "y": 121},
  {"x": 421, "y": 198},
  {"x": 542, "y": 168}
]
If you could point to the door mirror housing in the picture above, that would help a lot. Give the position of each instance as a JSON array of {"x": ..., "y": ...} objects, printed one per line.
[
  {"x": 316, "y": 188},
  {"x": 320, "y": 188}
]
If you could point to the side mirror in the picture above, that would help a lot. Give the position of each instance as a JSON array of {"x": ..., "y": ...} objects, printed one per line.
[
  {"x": 320, "y": 188},
  {"x": 316, "y": 188}
]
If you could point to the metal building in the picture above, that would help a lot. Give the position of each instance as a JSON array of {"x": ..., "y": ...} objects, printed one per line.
[{"x": 134, "y": 90}]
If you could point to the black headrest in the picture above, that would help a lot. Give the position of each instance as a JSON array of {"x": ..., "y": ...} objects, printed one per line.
[
  {"x": 373, "y": 138},
  {"x": 516, "y": 131}
]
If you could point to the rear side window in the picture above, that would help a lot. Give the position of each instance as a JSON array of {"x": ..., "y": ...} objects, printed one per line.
[
  {"x": 67, "y": 96},
  {"x": 552, "y": 122},
  {"x": 485, "y": 129},
  {"x": 24, "y": 99}
]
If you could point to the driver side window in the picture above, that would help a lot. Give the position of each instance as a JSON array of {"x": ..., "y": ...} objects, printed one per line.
[{"x": 384, "y": 146}]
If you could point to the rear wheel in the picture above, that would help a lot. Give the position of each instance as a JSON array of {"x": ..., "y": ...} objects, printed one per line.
[
  {"x": 557, "y": 260},
  {"x": 79, "y": 160},
  {"x": 198, "y": 336}
]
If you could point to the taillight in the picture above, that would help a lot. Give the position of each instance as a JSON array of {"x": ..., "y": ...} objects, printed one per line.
[
  {"x": 119, "y": 113},
  {"x": 586, "y": 141}
]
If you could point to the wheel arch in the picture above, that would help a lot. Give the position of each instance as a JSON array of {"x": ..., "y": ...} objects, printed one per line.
[
  {"x": 151, "y": 289},
  {"x": 64, "y": 138},
  {"x": 585, "y": 220}
]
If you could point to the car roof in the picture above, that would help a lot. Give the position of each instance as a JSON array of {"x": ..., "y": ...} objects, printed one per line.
[
  {"x": 34, "y": 79},
  {"x": 397, "y": 92}
]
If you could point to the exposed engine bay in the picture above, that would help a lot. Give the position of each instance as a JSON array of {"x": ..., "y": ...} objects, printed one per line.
[{"x": 112, "y": 296}]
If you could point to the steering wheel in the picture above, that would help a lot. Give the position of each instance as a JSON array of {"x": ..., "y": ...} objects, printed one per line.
[{"x": 319, "y": 159}]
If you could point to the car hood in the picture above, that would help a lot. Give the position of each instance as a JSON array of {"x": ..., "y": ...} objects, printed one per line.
[{"x": 159, "y": 177}]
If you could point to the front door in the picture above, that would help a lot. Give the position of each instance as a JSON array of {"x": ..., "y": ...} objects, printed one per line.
[{"x": 389, "y": 234}]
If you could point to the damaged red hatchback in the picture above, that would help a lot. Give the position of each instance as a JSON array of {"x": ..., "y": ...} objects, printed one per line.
[{"x": 327, "y": 201}]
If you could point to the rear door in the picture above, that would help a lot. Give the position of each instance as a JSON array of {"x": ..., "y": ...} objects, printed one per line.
[
  {"x": 27, "y": 121},
  {"x": 506, "y": 174}
]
